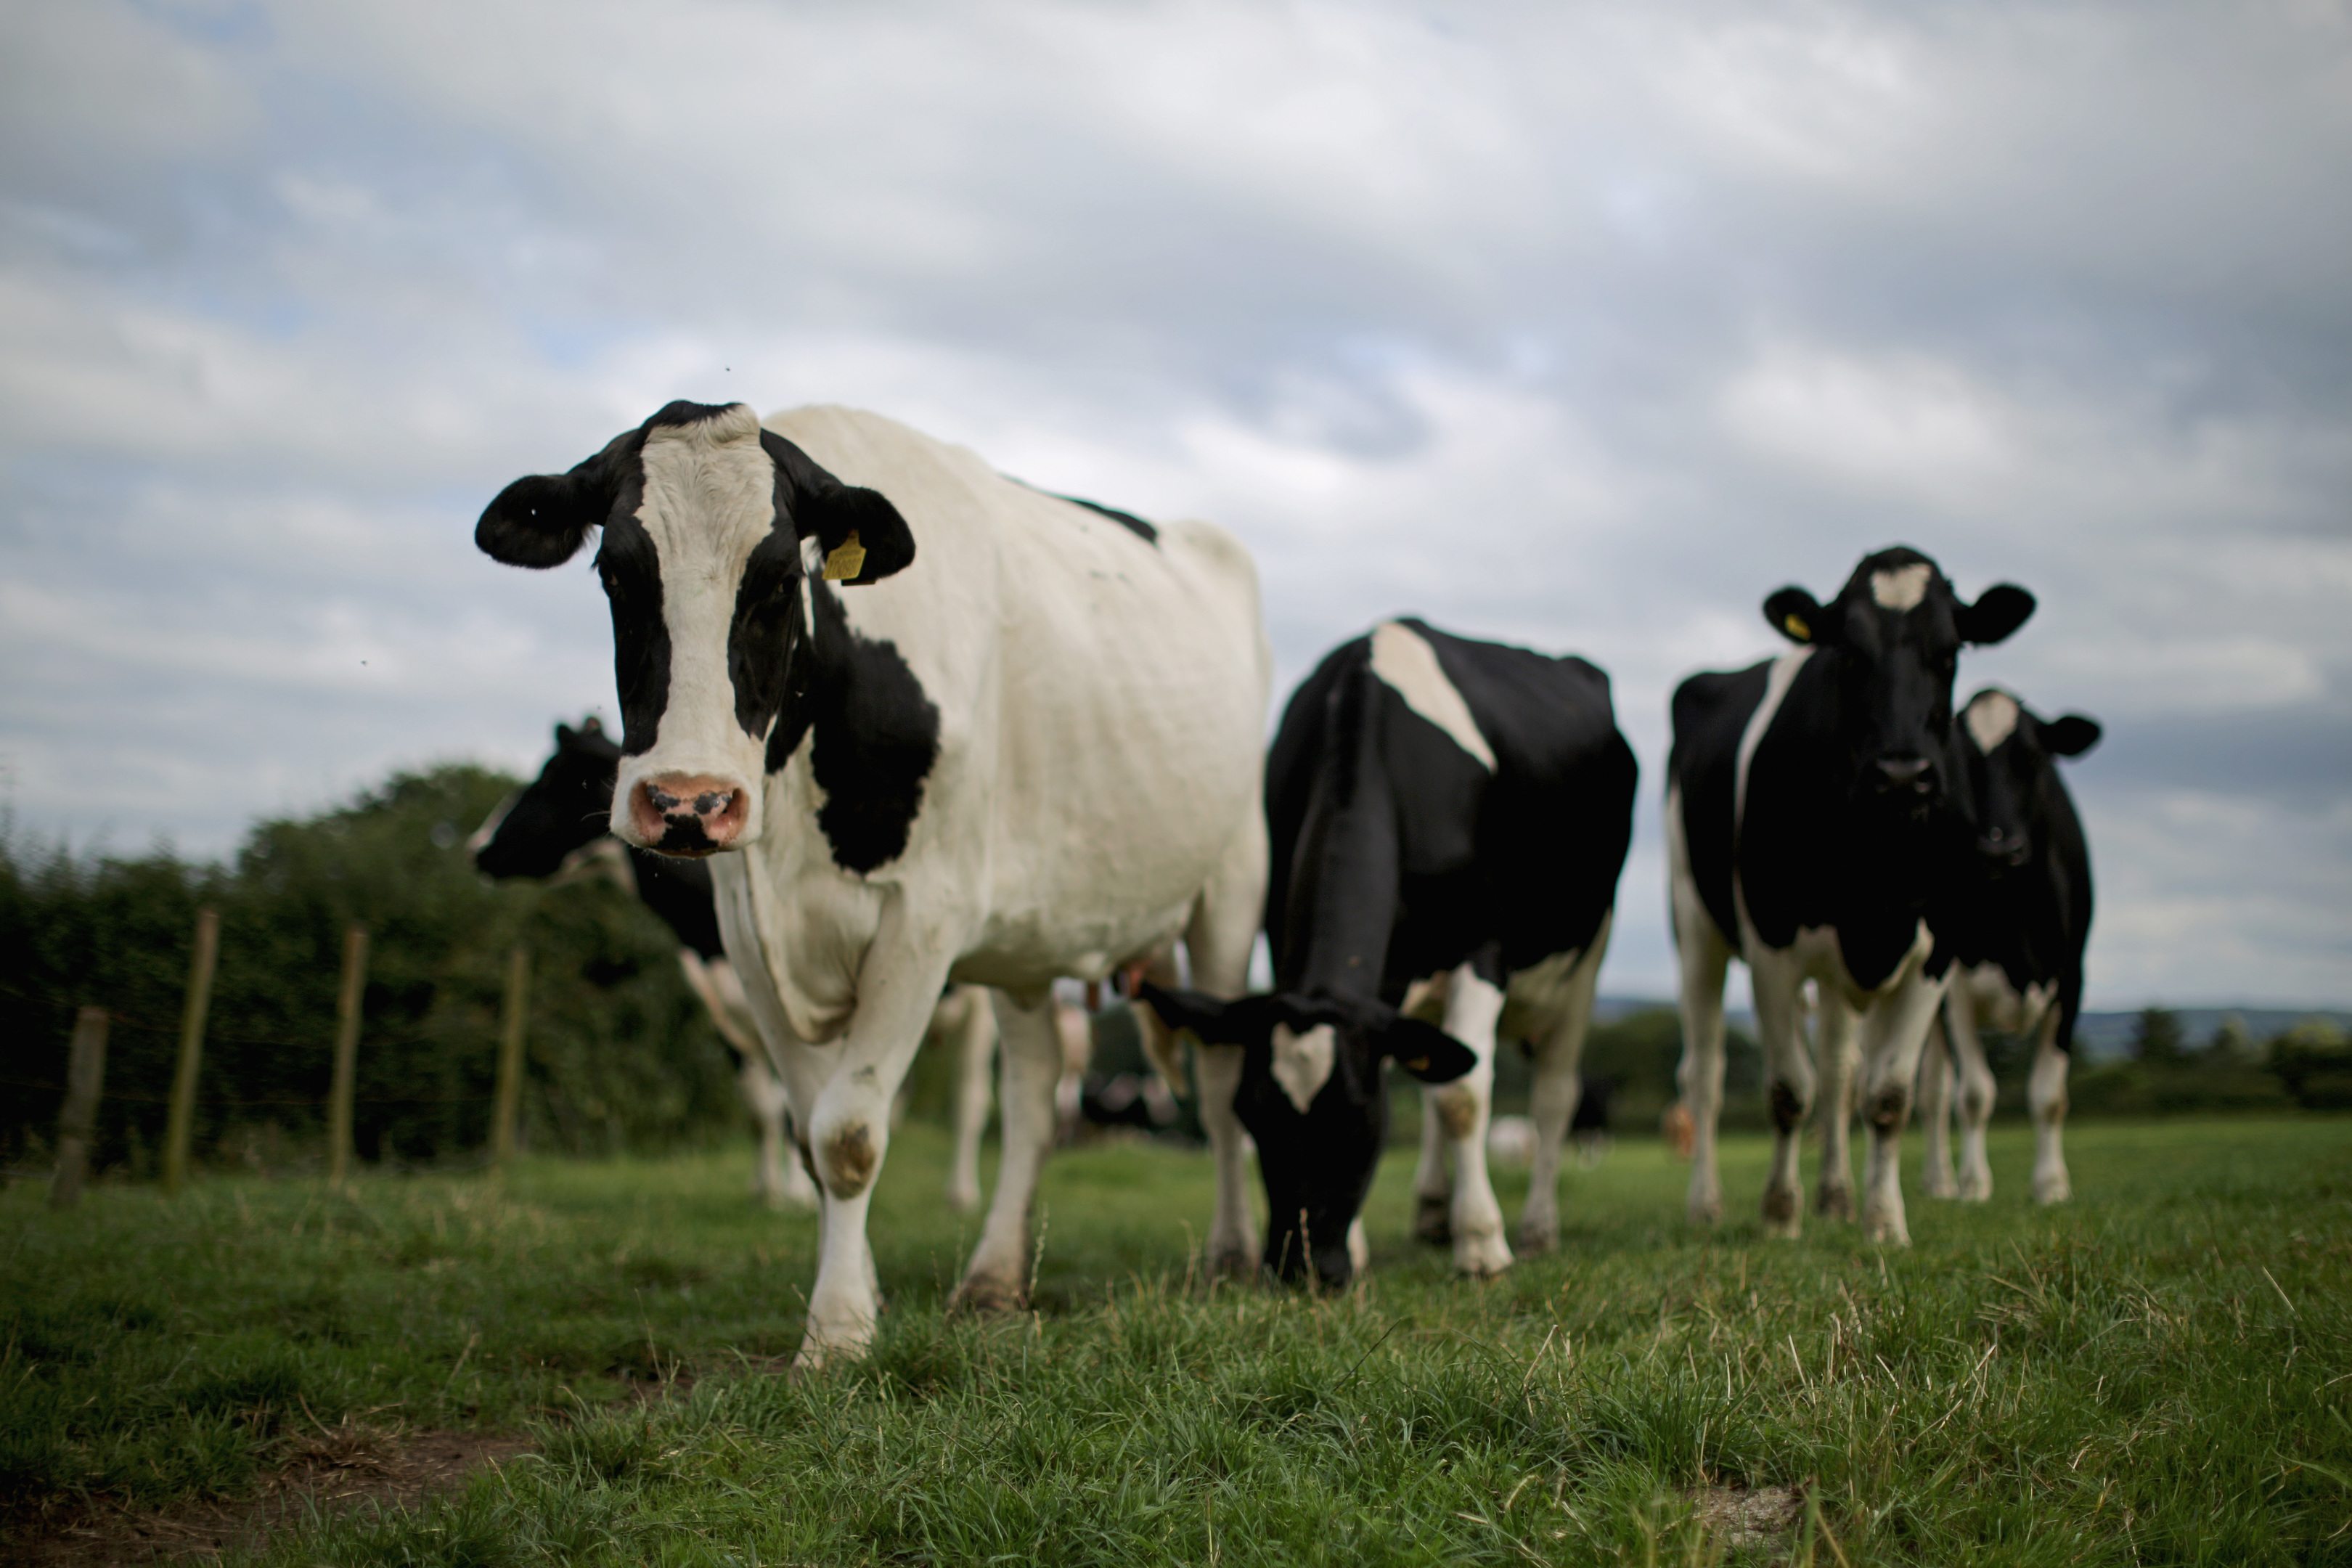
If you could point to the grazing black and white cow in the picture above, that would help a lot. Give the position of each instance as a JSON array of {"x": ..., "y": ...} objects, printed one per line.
[
  {"x": 1031, "y": 751},
  {"x": 1448, "y": 820},
  {"x": 1809, "y": 828},
  {"x": 2016, "y": 931},
  {"x": 554, "y": 829}
]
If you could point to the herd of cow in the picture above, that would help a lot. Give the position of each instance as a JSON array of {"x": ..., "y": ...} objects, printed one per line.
[{"x": 895, "y": 727}]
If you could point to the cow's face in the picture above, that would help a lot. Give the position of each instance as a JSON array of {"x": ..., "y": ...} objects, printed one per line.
[
  {"x": 1896, "y": 633},
  {"x": 1313, "y": 1097},
  {"x": 567, "y": 807},
  {"x": 2008, "y": 766},
  {"x": 704, "y": 515}
]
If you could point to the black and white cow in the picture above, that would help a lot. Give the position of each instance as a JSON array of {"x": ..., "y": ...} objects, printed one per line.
[
  {"x": 1031, "y": 751},
  {"x": 1448, "y": 819},
  {"x": 2016, "y": 931},
  {"x": 554, "y": 829},
  {"x": 1809, "y": 828}
]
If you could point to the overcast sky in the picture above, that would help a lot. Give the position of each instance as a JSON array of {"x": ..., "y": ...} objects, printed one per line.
[{"x": 1578, "y": 326}]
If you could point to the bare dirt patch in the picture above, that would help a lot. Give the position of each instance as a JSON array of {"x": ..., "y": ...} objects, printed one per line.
[
  {"x": 1740, "y": 1518},
  {"x": 332, "y": 1468}
]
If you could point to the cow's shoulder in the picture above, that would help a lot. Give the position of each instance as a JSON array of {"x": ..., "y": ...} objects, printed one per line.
[{"x": 1710, "y": 713}]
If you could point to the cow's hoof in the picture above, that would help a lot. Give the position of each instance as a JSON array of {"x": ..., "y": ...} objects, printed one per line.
[
  {"x": 1943, "y": 1188},
  {"x": 1834, "y": 1203},
  {"x": 987, "y": 1296},
  {"x": 1781, "y": 1218},
  {"x": 1975, "y": 1190},
  {"x": 1706, "y": 1211},
  {"x": 1234, "y": 1263},
  {"x": 1535, "y": 1237},
  {"x": 1432, "y": 1221},
  {"x": 963, "y": 1200},
  {"x": 1481, "y": 1257},
  {"x": 2054, "y": 1190},
  {"x": 1885, "y": 1229}
]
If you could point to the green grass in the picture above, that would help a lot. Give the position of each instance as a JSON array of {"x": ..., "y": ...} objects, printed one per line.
[{"x": 2158, "y": 1372}]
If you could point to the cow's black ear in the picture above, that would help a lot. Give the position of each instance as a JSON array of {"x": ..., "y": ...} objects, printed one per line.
[
  {"x": 563, "y": 734},
  {"x": 1999, "y": 611},
  {"x": 1208, "y": 1019},
  {"x": 539, "y": 521},
  {"x": 861, "y": 534},
  {"x": 1424, "y": 1050},
  {"x": 2070, "y": 736},
  {"x": 1795, "y": 614}
]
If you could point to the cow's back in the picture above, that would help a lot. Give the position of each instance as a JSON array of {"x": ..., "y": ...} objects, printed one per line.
[
  {"x": 1101, "y": 696},
  {"x": 1710, "y": 714}
]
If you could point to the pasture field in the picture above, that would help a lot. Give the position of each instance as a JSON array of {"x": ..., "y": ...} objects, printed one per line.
[{"x": 2160, "y": 1372}]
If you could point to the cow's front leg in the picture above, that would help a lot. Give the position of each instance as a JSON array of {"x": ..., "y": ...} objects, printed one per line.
[
  {"x": 1463, "y": 1106},
  {"x": 782, "y": 1183},
  {"x": 1838, "y": 1055},
  {"x": 1894, "y": 1035},
  {"x": 1788, "y": 1083},
  {"x": 1031, "y": 1053},
  {"x": 849, "y": 1132},
  {"x": 1232, "y": 1229},
  {"x": 1976, "y": 1089},
  {"x": 1702, "y": 954},
  {"x": 2046, "y": 1099},
  {"x": 1935, "y": 1110},
  {"x": 1559, "y": 1084}
]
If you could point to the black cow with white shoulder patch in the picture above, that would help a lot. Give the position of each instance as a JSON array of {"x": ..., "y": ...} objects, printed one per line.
[
  {"x": 2016, "y": 926},
  {"x": 1810, "y": 830},
  {"x": 1448, "y": 821},
  {"x": 1030, "y": 750}
]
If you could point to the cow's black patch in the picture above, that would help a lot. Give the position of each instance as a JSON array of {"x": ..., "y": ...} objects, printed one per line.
[
  {"x": 629, "y": 566},
  {"x": 874, "y": 736},
  {"x": 1126, "y": 520}
]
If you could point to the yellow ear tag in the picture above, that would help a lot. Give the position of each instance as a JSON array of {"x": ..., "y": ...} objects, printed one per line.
[
  {"x": 1796, "y": 624},
  {"x": 1418, "y": 1064},
  {"x": 847, "y": 560}
]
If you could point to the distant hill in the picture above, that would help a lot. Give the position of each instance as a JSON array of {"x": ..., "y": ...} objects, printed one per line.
[{"x": 2098, "y": 1036}]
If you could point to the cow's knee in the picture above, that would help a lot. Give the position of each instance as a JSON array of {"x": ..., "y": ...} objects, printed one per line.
[
  {"x": 1887, "y": 1108},
  {"x": 1787, "y": 1109},
  {"x": 850, "y": 1157}
]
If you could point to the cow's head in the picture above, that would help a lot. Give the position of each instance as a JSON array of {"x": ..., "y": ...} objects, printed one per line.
[
  {"x": 705, "y": 515},
  {"x": 1313, "y": 1097},
  {"x": 569, "y": 806},
  {"x": 2008, "y": 758},
  {"x": 1895, "y": 631}
]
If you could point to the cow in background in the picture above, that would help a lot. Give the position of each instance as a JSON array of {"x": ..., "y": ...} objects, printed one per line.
[
  {"x": 1809, "y": 830},
  {"x": 2016, "y": 930},
  {"x": 1448, "y": 821},
  {"x": 1031, "y": 752}
]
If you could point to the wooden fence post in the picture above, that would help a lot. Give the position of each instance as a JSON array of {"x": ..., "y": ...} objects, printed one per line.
[
  {"x": 191, "y": 1050},
  {"x": 347, "y": 1050},
  {"x": 502, "y": 1124},
  {"x": 77, "y": 1123}
]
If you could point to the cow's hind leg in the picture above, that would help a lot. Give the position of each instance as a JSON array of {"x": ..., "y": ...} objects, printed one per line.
[
  {"x": 1464, "y": 1108},
  {"x": 973, "y": 1028},
  {"x": 1217, "y": 943},
  {"x": 1559, "y": 1084},
  {"x": 1703, "y": 955},
  {"x": 1935, "y": 1111},
  {"x": 998, "y": 1277},
  {"x": 2046, "y": 1099},
  {"x": 1432, "y": 1178}
]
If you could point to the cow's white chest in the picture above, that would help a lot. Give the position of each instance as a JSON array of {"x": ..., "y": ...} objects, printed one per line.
[
  {"x": 1999, "y": 1005},
  {"x": 1817, "y": 954}
]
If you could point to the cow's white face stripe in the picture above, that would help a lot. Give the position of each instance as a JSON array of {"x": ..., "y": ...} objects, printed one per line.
[
  {"x": 1408, "y": 665},
  {"x": 1991, "y": 719},
  {"x": 1903, "y": 588},
  {"x": 709, "y": 501},
  {"x": 1302, "y": 1063}
]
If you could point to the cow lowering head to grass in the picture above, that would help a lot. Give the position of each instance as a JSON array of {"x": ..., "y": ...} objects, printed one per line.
[
  {"x": 1810, "y": 827},
  {"x": 1029, "y": 750},
  {"x": 2015, "y": 923},
  {"x": 1449, "y": 818}
]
